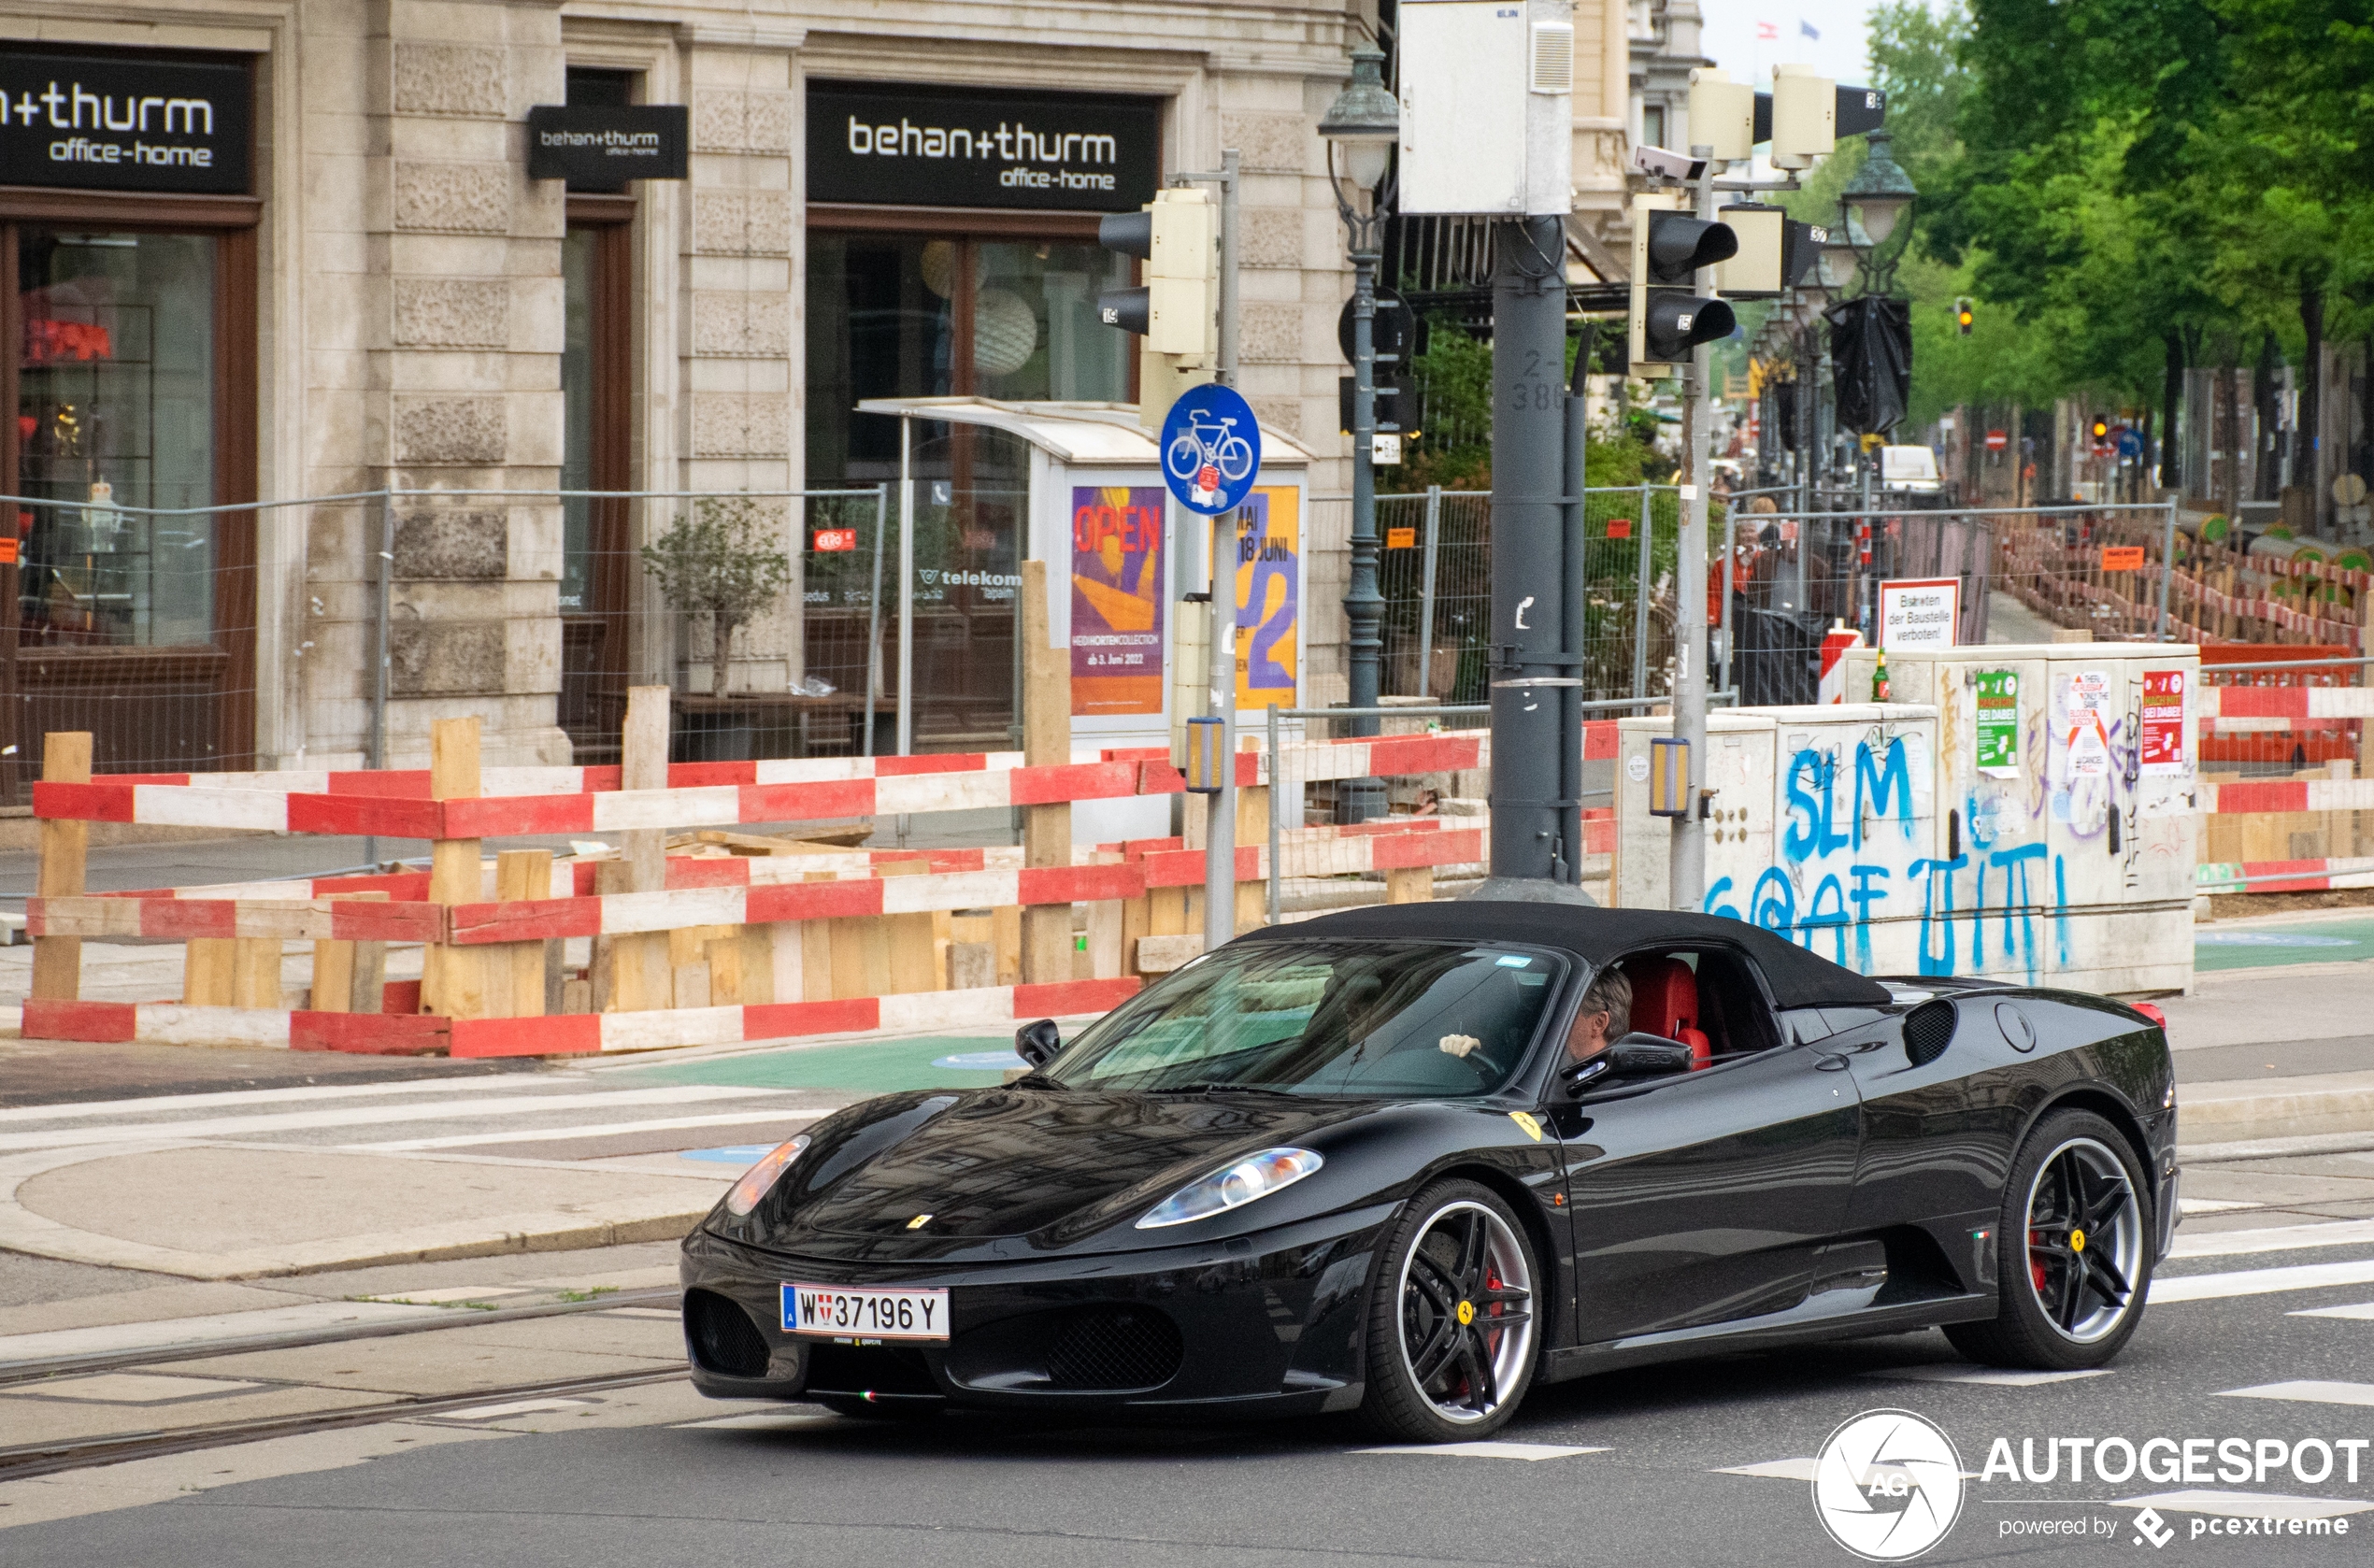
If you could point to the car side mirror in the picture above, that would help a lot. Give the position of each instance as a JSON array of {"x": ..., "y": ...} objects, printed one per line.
[
  {"x": 1038, "y": 1042},
  {"x": 1634, "y": 1056}
]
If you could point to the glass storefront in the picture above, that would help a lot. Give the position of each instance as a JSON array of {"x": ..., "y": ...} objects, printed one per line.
[
  {"x": 115, "y": 403},
  {"x": 912, "y": 315}
]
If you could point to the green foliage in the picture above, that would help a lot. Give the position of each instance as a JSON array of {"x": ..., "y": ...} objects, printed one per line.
[
  {"x": 726, "y": 562},
  {"x": 1456, "y": 450}
]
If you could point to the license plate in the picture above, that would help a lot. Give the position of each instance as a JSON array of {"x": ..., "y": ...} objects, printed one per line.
[{"x": 850, "y": 1312}]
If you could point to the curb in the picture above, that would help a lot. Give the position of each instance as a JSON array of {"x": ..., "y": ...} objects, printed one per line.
[{"x": 2219, "y": 1115}]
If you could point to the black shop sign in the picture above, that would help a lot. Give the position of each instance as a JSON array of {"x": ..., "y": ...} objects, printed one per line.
[
  {"x": 933, "y": 147},
  {"x": 600, "y": 146},
  {"x": 125, "y": 123}
]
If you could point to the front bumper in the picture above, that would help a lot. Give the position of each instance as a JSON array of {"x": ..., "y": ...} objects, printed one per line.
[{"x": 1271, "y": 1322}]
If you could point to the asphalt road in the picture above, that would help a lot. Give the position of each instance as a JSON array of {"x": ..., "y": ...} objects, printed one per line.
[{"x": 651, "y": 1477}]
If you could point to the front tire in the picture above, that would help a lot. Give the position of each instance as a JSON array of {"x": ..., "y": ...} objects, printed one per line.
[
  {"x": 2073, "y": 1256},
  {"x": 1454, "y": 1321}
]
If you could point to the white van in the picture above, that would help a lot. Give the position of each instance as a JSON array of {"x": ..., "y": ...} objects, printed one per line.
[{"x": 1911, "y": 469}]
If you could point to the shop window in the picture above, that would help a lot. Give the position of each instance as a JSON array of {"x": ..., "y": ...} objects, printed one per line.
[{"x": 115, "y": 406}]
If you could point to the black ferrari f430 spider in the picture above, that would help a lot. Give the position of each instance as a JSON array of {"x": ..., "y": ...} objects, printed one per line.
[{"x": 1385, "y": 1161}]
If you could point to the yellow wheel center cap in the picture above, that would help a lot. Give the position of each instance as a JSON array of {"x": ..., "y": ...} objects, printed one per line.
[
  {"x": 2077, "y": 1241},
  {"x": 1467, "y": 1313}
]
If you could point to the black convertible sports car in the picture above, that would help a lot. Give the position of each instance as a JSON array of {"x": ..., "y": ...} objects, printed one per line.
[{"x": 1356, "y": 1164}]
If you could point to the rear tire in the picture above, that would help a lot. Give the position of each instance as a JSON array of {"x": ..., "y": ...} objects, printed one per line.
[
  {"x": 2073, "y": 1254},
  {"x": 1455, "y": 1320}
]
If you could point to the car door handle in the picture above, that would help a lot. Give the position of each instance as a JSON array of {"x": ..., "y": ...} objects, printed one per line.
[{"x": 1830, "y": 1065}]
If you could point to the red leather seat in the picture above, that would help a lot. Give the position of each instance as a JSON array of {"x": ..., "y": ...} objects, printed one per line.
[{"x": 1665, "y": 1002}]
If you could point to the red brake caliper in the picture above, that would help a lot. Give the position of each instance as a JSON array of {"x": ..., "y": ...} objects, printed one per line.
[{"x": 2036, "y": 1264}]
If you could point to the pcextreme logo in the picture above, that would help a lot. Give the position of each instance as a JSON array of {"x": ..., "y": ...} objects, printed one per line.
[{"x": 1887, "y": 1486}]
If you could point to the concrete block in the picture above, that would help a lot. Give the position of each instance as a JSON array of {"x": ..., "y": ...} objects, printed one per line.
[
  {"x": 449, "y": 79},
  {"x": 461, "y": 546},
  {"x": 1272, "y": 332},
  {"x": 729, "y": 120},
  {"x": 741, "y": 325},
  {"x": 453, "y": 198},
  {"x": 434, "y": 657},
  {"x": 741, "y": 222},
  {"x": 1282, "y": 413},
  {"x": 741, "y": 424},
  {"x": 453, "y": 313},
  {"x": 438, "y": 431},
  {"x": 1275, "y": 143},
  {"x": 1273, "y": 237}
]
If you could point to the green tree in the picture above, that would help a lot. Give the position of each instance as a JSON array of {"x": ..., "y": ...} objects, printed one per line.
[{"x": 726, "y": 562}]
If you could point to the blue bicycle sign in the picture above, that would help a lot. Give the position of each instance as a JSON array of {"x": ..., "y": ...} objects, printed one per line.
[{"x": 1211, "y": 449}]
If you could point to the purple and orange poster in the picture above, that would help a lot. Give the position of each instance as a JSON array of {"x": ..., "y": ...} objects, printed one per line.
[{"x": 1117, "y": 599}]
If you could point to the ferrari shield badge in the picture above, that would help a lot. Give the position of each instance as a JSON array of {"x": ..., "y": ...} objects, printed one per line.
[{"x": 1533, "y": 1128}]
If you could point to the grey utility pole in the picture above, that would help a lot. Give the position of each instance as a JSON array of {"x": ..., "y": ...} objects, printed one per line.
[
  {"x": 1688, "y": 862},
  {"x": 1528, "y": 635}
]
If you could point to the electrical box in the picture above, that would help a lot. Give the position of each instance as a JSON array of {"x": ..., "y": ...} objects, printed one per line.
[
  {"x": 1755, "y": 267},
  {"x": 1487, "y": 107}
]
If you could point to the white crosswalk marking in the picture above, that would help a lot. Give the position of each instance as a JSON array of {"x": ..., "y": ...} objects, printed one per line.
[
  {"x": 158, "y": 1104},
  {"x": 2246, "y": 1504},
  {"x": 1985, "y": 1377},
  {"x": 2362, "y": 1312},
  {"x": 1533, "y": 1451},
  {"x": 2280, "y": 1238},
  {"x": 1774, "y": 1469},
  {"x": 364, "y": 1116},
  {"x": 2309, "y": 1392},
  {"x": 2260, "y": 1282},
  {"x": 790, "y": 1121}
]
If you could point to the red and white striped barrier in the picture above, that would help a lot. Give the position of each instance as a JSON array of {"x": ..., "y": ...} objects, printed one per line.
[
  {"x": 118, "y": 918},
  {"x": 2230, "y": 710},
  {"x": 2284, "y": 876},
  {"x": 2287, "y": 794}
]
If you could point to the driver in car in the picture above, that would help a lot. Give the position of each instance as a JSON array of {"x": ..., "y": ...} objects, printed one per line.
[{"x": 1595, "y": 1027}]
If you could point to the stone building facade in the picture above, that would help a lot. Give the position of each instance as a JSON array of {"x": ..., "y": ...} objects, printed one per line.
[{"x": 393, "y": 301}]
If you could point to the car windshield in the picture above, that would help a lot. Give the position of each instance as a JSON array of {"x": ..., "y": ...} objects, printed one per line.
[{"x": 1402, "y": 1019}]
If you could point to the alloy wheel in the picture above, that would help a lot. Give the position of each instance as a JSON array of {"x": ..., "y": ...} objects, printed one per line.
[
  {"x": 2084, "y": 1240},
  {"x": 1466, "y": 1311}
]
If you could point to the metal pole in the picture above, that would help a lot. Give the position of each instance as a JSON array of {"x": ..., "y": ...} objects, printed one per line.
[
  {"x": 1527, "y": 640},
  {"x": 2167, "y": 568},
  {"x": 1730, "y": 586},
  {"x": 1426, "y": 597},
  {"x": 906, "y": 586},
  {"x": 1231, "y": 162},
  {"x": 874, "y": 615},
  {"x": 1574, "y": 589},
  {"x": 1219, "y": 809},
  {"x": 382, "y": 598},
  {"x": 1640, "y": 604},
  {"x": 1362, "y": 799},
  {"x": 1688, "y": 858},
  {"x": 1277, "y": 794}
]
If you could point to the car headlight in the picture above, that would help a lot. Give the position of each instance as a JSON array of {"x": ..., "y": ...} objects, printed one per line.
[
  {"x": 760, "y": 1178},
  {"x": 1256, "y": 1175}
]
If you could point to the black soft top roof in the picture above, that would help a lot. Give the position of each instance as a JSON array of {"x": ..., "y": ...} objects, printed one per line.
[{"x": 1798, "y": 978}]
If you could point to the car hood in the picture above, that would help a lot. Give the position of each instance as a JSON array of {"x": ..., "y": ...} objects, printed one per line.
[{"x": 1052, "y": 1166}]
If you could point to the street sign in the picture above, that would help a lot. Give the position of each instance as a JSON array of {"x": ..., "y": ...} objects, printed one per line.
[
  {"x": 836, "y": 539},
  {"x": 1401, "y": 538},
  {"x": 1919, "y": 613},
  {"x": 1998, "y": 440},
  {"x": 2123, "y": 558},
  {"x": 1395, "y": 335},
  {"x": 2130, "y": 443},
  {"x": 1211, "y": 449}
]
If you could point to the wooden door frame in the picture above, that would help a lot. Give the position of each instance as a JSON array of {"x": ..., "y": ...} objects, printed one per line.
[
  {"x": 232, "y": 221},
  {"x": 609, "y": 588}
]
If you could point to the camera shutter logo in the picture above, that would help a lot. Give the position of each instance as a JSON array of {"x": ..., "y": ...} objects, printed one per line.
[{"x": 1887, "y": 1486}]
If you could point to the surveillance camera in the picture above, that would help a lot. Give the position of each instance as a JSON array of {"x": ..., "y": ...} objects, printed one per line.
[{"x": 1656, "y": 163}]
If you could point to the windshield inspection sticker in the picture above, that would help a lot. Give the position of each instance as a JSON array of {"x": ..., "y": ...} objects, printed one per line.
[{"x": 1998, "y": 712}]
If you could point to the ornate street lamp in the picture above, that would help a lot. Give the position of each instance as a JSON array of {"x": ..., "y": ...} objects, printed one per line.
[{"x": 1361, "y": 128}]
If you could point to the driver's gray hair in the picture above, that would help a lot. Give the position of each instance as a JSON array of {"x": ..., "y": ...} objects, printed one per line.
[{"x": 1611, "y": 992}]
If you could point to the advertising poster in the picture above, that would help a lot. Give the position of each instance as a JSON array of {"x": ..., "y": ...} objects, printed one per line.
[
  {"x": 2163, "y": 744},
  {"x": 1998, "y": 712},
  {"x": 1117, "y": 599},
  {"x": 1268, "y": 596},
  {"x": 2084, "y": 697}
]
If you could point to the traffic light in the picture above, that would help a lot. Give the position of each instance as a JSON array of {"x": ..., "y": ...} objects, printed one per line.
[
  {"x": 1962, "y": 316},
  {"x": 1775, "y": 252},
  {"x": 1669, "y": 246},
  {"x": 1176, "y": 312},
  {"x": 2100, "y": 428}
]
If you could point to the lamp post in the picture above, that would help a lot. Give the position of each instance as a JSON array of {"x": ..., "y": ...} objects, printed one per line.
[{"x": 1364, "y": 123}]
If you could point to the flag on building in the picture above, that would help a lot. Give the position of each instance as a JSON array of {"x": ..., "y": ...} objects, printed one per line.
[
  {"x": 1768, "y": 32},
  {"x": 1809, "y": 30}
]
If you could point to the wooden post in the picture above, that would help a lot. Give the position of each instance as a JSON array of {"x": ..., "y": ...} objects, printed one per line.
[
  {"x": 521, "y": 874},
  {"x": 65, "y": 853},
  {"x": 1253, "y": 828},
  {"x": 1413, "y": 884},
  {"x": 453, "y": 979},
  {"x": 641, "y": 978},
  {"x": 1047, "y": 742},
  {"x": 911, "y": 960},
  {"x": 350, "y": 976}
]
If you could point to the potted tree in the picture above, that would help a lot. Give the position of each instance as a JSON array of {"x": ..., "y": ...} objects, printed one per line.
[{"x": 725, "y": 561}]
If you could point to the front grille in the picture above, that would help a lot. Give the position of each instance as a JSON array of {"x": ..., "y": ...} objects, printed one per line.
[
  {"x": 722, "y": 1337},
  {"x": 1114, "y": 1347}
]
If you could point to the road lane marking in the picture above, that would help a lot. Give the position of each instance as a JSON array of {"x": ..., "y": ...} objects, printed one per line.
[
  {"x": 1533, "y": 1451},
  {"x": 362, "y": 1116},
  {"x": 158, "y": 1104},
  {"x": 1985, "y": 1377},
  {"x": 1777, "y": 1469},
  {"x": 2362, "y": 1312},
  {"x": 2281, "y": 1238},
  {"x": 2307, "y": 1392},
  {"x": 599, "y": 1130},
  {"x": 2246, "y": 1505},
  {"x": 2260, "y": 1282},
  {"x": 2212, "y": 1206}
]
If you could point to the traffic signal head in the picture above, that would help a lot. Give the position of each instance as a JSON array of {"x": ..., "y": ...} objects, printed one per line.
[
  {"x": 1962, "y": 317},
  {"x": 2101, "y": 428},
  {"x": 1673, "y": 321},
  {"x": 1177, "y": 310},
  {"x": 1679, "y": 245}
]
